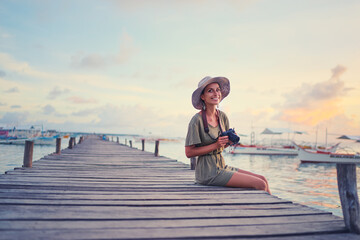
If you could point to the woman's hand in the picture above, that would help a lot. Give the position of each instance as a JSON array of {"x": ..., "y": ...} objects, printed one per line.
[
  {"x": 222, "y": 142},
  {"x": 193, "y": 151}
]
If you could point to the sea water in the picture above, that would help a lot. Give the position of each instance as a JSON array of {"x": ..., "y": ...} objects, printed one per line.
[{"x": 310, "y": 184}]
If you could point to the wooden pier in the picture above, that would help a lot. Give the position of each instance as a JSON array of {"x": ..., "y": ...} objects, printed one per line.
[{"x": 104, "y": 190}]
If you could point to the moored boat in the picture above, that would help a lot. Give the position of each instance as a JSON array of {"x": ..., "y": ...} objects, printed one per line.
[
  {"x": 308, "y": 156},
  {"x": 263, "y": 150}
]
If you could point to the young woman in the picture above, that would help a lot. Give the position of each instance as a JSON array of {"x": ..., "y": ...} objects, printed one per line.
[{"x": 203, "y": 139}]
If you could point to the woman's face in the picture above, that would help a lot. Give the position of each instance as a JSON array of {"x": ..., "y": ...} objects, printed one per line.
[{"x": 212, "y": 94}]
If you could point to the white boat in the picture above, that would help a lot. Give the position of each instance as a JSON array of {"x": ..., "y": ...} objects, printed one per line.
[
  {"x": 309, "y": 156},
  {"x": 263, "y": 150}
]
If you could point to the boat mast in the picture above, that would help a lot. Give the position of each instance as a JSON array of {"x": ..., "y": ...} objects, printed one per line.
[
  {"x": 252, "y": 135},
  {"x": 316, "y": 135},
  {"x": 326, "y": 134}
]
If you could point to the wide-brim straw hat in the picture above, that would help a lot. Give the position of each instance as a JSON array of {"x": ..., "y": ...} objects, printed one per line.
[{"x": 223, "y": 82}]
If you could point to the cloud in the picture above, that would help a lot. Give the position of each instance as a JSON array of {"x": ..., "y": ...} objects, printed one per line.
[
  {"x": 133, "y": 119},
  {"x": 80, "y": 100},
  {"x": 4, "y": 35},
  {"x": 312, "y": 103},
  {"x": 56, "y": 92},
  {"x": 48, "y": 109},
  {"x": 179, "y": 5},
  {"x": 95, "y": 60},
  {"x": 23, "y": 68},
  {"x": 15, "y": 106},
  {"x": 2, "y": 104},
  {"x": 86, "y": 112},
  {"x": 12, "y": 90},
  {"x": 14, "y": 117},
  {"x": 2, "y": 74}
]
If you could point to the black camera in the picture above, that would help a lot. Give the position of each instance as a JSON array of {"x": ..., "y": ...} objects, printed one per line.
[{"x": 232, "y": 136}]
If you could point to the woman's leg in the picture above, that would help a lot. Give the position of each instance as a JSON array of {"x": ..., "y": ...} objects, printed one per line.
[
  {"x": 246, "y": 180},
  {"x": 256, "y": 175}
]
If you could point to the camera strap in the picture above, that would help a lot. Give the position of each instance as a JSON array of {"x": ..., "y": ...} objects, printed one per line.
[{"x": 205, "y": 122}]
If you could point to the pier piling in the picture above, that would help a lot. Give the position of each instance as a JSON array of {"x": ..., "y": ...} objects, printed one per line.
[
  {"x": 58, "y": 145},
  {"x": 143, "y": 144},
  {"x": 193, "y": 163},
  {"x": 157, "y": 148},
  {"x": 71, "y": 142},
  {"x": 28, "y": 153},
  {"x": 346, "y": 177}
]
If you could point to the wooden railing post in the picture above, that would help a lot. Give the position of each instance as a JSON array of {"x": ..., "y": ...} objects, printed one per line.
[
  {"x": 193, "y": 163},
  {"x": 157, "y": 148},
  {"x": 143, "y": 144},
  {"x": 74, "y": 141},
  {"x": 130, "y": 143},
  {"x": 58, "y": 145},
  {"x": 28, "y": 153},
  {"x": 117, "y": 140},
  {"x": 71, "y": 142},
  {"x": 125, "y": 141},
  {"x": 346, "y": 177}
]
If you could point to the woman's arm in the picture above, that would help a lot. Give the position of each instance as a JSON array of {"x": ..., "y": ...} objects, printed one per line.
[{"x": 193, "y": 151}]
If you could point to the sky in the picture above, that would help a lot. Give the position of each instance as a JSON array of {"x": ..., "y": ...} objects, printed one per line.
[{"x": 131, "y": 66}]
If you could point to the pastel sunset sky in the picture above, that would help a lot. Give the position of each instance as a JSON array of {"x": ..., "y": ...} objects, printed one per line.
[{"x": 131, "y": 66}]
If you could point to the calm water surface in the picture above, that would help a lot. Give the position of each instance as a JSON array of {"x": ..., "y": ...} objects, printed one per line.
[{"x": 314, "y": 185}]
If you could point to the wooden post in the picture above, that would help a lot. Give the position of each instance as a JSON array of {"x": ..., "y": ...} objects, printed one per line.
[
  {"x": 125, "y": 141},
  {"x": 71, "y": 142},
  {"x": 143, "y": 144},
  {"x": 130, "y": 142},
  {"x": 157, "y": 148},
  {"x": 58, "y": 145},
  {"x": 346, "y": 177},
  {"x": 28, "y": 153},
  {"x": 193, "y": 163},
  {"x": 117, "y": 140}
]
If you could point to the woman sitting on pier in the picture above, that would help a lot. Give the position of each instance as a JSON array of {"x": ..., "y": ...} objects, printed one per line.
[{"x": 204, "y": 140}]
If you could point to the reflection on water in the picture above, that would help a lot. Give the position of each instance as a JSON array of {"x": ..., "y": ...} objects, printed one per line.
[{"x": 314, "y": 185}]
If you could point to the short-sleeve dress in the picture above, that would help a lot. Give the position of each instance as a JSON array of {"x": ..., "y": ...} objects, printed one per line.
[{"x": 210, "y": 168}]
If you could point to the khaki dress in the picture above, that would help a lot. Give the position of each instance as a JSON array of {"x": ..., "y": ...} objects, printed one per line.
[{"x": 210, "y": 168}]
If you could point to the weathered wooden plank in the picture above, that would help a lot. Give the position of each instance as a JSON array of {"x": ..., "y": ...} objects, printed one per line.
[
  {"x": 190, "y": 232},
  {"x": 116, "y": 174},
  {"x": 128, "y": 196},
  {"x": 124, "y": 188},
  {"x": 98, "y": 224},
  {"x": 98, "y": 183},
  {"x": 145, "y": 212},
  {"x": 140, "y": 202}
]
